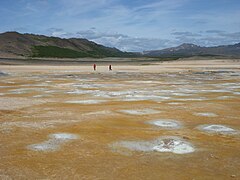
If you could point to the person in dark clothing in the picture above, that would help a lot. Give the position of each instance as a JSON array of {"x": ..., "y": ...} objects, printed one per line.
[
  {"x": 94, "y": 67},
  {"x": 110, "y": 67}
]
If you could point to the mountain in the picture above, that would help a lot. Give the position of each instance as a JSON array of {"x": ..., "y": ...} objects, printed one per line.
[
  {"x": 187, "y": 50},
  {"x": 14, "y": 44}
]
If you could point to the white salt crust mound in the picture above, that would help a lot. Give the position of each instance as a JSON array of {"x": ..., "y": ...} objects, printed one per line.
[
  {"x": 86, "y": 102},
  {"x": 166, "y": 123},
  {"x": 206, "y": 114},
  {"x": 49, "y": 145},
  {"x": 174, "y": 146},
  {"x": 54, "y": 143},
  {"x": 63, "y": 136},
  {"x": 192, "y": 99},
  {"x": 143, "y": 97},
  {"x": 140, "y": 111},
  {"x": 170, "y": 144},
  {"x": 175, "y": 103},
  {"x": 216, "y": 128},
  {"x": 225, "y": 97}
]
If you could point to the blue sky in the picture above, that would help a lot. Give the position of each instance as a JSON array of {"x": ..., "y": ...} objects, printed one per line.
[{"x": 130, "y": 25}]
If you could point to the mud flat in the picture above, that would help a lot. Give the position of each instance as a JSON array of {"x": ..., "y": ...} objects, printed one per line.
[
  {"x": 164, "y": 120},
  {"x": 11, "y": 103}
]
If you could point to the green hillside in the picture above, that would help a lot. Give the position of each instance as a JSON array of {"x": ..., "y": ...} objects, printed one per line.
[{"x": 57, "y": 52}]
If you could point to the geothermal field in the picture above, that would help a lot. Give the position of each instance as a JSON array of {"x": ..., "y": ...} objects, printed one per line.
[{"x": 170, "y": 120}]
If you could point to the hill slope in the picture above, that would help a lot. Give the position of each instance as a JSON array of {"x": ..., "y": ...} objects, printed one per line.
[
  {"x": 30, "y": 45},
  {"x": 186, "y": 50}
]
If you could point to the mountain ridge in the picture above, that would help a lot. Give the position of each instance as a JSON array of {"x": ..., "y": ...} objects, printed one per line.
[
  {"x": 31, "y": 45},
  {"x": 14, "y": 44},
  {"x": 188, "y": 49}
]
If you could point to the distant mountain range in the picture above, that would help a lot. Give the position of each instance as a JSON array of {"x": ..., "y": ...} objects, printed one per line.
[
  {"x": 188, "y": 50},
  {"x": 14, "y": 44}
]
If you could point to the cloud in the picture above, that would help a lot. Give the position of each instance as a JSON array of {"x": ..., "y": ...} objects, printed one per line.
[
  {"x": 127, "y": 43},
  {"x": 128, "y": 25},
  {"x": 123, "y": 42},
  {"x": 138, "y": 44},
  {"x": 186, "y": 33},
  {"x": 214, "y": 31},
  {"x": 78, "y": 7},
  {"x": 208, "y": 38},
  {"x": 58, "y": 32},
  {"x": 235, "y": 35},
  {"x": 94, "y": 34},
  {"x": 111, "y": 39}
]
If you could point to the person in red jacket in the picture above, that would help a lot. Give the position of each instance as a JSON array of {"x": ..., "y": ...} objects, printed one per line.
[{"x": 94, "y": 67}]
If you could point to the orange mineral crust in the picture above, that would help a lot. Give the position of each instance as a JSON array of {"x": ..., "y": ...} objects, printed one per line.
[{"x": 128, "y": 123}]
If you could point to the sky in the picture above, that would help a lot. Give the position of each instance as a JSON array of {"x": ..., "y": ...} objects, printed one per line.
[{"x": 129, "y": 25}]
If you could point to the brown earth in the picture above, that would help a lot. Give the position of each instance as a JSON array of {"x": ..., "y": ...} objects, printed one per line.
[{"x": 35, "y": 103}]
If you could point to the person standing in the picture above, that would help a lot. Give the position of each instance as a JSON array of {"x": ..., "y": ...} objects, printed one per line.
[
  {"x": 110, "y": 67},
  {"x": 94, "y": 67}
]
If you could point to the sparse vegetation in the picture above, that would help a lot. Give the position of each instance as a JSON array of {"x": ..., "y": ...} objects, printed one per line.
[
  {"x": 54, "y": 51},
  {"x": 58, "y": 52}
]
